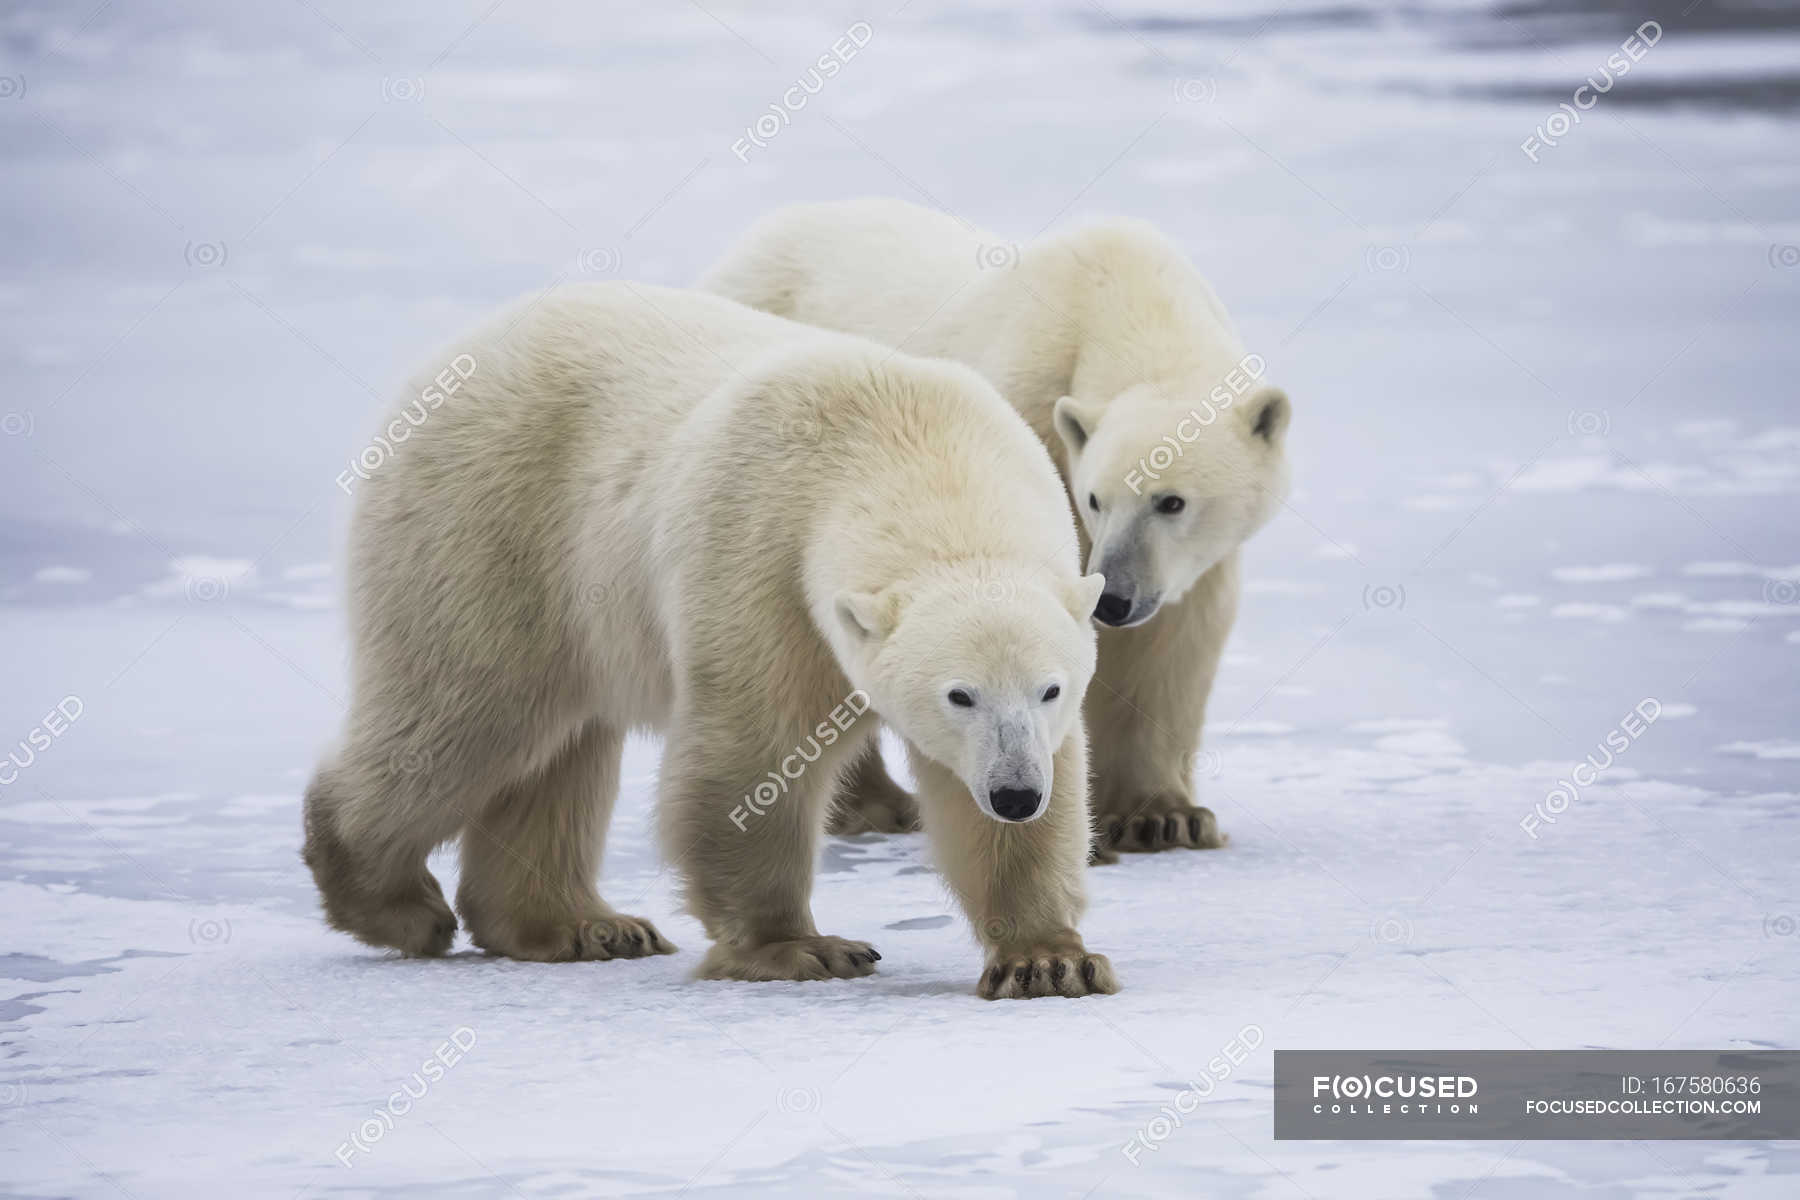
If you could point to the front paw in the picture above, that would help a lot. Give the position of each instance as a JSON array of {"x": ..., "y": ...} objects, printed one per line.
[
  {"x": 797, "y": 959},
  {"x": 1159, "y": 822},
  {"x": 1059, "y": 970}
]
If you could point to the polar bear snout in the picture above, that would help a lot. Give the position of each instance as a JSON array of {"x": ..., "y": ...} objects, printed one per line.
[
  {"x": 1122, "y": 608},
  {"x": 1015, "y": 803},
  {"x": 1112, "y": 609},
  {"x": 1014, "y": 779}
]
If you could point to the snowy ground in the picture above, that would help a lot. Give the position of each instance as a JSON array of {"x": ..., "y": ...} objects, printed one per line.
[{"x": 1547, "y": 454}]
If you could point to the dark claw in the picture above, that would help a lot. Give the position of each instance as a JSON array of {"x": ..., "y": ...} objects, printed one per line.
[
  {"x": 1171, "y": 829},
  {"x": 994, "y": 977},
  {"x": 1194, "y": 824},
  {"x": 1115, "y": 831},
  {"x": 874, "y": 954},
  {"x": 1059, "y": 972},
  {"x": 1088, "y": 972},
  {"x": 1022, "y": 975}
]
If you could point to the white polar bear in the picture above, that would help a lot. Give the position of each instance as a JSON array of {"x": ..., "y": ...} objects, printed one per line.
[
  {"x": 653, "y": 508},
  {"x": 1123, "y": 361}
]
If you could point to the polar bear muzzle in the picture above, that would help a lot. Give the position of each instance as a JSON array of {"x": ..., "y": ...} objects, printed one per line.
[{"x": 1015, "y": 804}]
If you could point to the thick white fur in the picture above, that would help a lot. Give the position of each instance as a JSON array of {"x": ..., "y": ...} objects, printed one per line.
[
  {"x": 1112, "y": 347},
  {"x": 657, "y": 509}
]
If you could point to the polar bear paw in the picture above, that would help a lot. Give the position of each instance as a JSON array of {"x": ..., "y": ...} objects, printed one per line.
[
  {"x": 881, "y": 807},
  {"x": 1156, "y": 823},
  {"x": 1057, "y": 970},
  {"x": 798, "y": 959},
  {"x": 599, "y": 938}
]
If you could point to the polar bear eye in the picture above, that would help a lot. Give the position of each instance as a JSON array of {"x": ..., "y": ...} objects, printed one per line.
[
  {"x": 961, "y": 698},
  {"x": 1170, "y": 505},
  {"x": 1051, "y": 693},
  {"x": 1093, "y": 502}
]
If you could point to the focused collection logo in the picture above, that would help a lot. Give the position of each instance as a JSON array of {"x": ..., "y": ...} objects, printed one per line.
[{"x": 1396, "y": 1095}]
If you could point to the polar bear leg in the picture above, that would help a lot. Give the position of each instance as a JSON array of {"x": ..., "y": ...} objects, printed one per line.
[
  {"x": 529, "y": 859},
  {"x": 371, "y": 820},
  {"x": 746, "y": 855},
  {"x": 1145, "y": 710},
  {"x": 1143, "y": 793},
  {"x": 869, "y": 800},
  {"x": 1020, "y": 884}
]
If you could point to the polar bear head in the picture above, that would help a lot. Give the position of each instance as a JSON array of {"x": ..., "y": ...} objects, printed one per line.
[
  {"x": 1169, "y": 478},
  {"x": 981, "y": 669}
]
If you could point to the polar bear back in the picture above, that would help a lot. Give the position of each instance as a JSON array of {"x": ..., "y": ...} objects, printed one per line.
[
  {"x": 624, "y": 459},
  {"x": 893, "y": 267}
]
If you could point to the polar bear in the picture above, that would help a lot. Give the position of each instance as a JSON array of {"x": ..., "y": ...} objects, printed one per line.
[
  {"x": 1123, "y": 361},
  {"x": 647, "y": 508}
]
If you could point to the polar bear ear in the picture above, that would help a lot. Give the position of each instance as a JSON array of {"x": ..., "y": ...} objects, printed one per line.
[
  {"x": 1082, "y": 595},
  {"x": 869, "y": 616},
  {"x": 1074, "y": 422},
  {"x": 1268, "y": 414}
]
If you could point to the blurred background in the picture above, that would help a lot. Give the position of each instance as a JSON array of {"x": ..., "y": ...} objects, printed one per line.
[{"x": 1546, "y": 451}]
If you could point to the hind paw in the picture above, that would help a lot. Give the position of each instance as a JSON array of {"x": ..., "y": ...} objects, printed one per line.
[
  {"x": 1156, "y": 823},
  {"x": 800, "y": 958},
  {"x": 419, "y": 924},
  {"x": 597, "y": 938}
]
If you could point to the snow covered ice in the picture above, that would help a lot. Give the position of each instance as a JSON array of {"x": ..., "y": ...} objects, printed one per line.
[{"x": 1546, "y": 455}]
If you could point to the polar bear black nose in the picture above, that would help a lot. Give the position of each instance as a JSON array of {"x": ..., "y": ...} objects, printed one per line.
[
  {"x": 1015, "y": 804},
  {"x": 1112, "y": 610}
]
